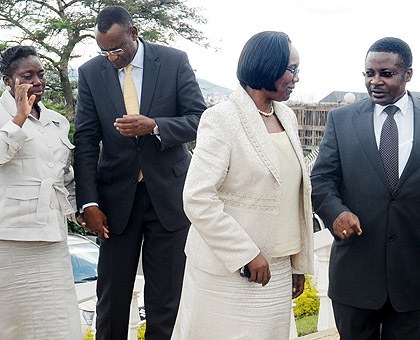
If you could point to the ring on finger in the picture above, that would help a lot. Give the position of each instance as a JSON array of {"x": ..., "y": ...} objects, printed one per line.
[{"x": 344, "y": 232}]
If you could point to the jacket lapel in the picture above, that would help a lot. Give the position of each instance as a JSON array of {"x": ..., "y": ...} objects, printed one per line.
[
  {"x": 413, "y": 160},
  {"x": 150, "y": 75},
  {"x": 112, "y": 85},
  {"x": 255, "y": 130},
  {"x": 9, "y": 103},
  {"x": 365, "y": 132}
]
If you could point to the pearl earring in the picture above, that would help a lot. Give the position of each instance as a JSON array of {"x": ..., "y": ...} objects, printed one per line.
[{"x": 8, "y": 88}]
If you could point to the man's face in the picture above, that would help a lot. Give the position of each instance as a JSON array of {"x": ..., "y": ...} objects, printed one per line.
[
  {"x": 118, "y": 38},
  {"x": 385, "y": 77}
]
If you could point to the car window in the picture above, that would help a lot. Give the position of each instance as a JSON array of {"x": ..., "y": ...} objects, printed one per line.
[{"x": 84, "y": 260}]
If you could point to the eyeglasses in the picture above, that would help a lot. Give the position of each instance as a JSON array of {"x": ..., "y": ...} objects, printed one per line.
[
  {"x": 294, "y": 71},
  {"x": 115, "y": 52},
  {"x": 382, "y": 74}
]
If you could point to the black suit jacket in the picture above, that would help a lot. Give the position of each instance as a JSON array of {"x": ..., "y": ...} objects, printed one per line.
[
  {"x": 348, "y": 175},
  {"x": 107, "y": 163}
]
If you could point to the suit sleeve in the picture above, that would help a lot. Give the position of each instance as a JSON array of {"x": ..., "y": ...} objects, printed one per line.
[
  {"x": 209, "y": 167},
  {"x": 190, "y": 106},
  {"x": 87, "y": 137},
  {"x": 327, "y": 178}
]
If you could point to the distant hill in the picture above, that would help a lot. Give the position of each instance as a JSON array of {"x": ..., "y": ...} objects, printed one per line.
[{"x": 213, "y": 93}]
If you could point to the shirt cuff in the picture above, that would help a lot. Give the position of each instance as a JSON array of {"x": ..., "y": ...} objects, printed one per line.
[{"x": 90, "y": 204}]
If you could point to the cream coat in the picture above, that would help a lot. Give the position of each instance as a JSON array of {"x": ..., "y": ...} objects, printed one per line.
[
  {"x": 233, "y": 189},
  {"x": 36, "y": 179}
]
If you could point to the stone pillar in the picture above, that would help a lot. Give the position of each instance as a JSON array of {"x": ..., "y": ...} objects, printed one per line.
[
  {"x": 322, "y": 242},
  {"x": 293, "y": 330}
]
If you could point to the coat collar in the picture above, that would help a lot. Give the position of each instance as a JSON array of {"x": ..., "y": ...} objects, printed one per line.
[
  {"x": 150, "y": 75},
  {"x": 414, "y": 159},
  {"x": 363, "y": 124},
  {"x": 46, "y": 116},
  {"x": 257, "y": 132},
  {"x": 112, "y": 85}
]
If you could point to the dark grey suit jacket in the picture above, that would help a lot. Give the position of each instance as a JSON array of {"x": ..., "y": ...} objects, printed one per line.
[
  {"x": 348, "y": 175},
  {"x": 172, "y": 97}
]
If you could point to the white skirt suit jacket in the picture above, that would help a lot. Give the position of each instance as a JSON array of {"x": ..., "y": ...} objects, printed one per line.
[
  {"x": 36, "y": 178},
  {"x": 233, "y": 189}
]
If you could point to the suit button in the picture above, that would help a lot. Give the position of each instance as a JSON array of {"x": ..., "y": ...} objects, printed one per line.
[
  {"x": 393, "y": 200},
  {"x": 138, "y": 149},
  {"x": 391, "y": 238}
]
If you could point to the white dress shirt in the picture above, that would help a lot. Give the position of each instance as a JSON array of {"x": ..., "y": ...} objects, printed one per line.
[{"x": 404, "y": 118}]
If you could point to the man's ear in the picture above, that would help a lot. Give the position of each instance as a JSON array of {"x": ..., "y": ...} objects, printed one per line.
[{"x": 408, "y": 74}]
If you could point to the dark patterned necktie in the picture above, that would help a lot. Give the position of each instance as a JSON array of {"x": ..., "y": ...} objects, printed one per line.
[{"x": 388, "y": 146}]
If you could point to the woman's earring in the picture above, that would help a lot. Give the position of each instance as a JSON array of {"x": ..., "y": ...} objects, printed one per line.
[{"x": 8, "y": 88}]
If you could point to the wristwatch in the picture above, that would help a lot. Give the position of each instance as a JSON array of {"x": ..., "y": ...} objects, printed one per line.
[{"x": 155, "y": 130}]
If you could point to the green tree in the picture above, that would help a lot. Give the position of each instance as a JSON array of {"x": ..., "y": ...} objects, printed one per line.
[{"x": 56, "y": 27}]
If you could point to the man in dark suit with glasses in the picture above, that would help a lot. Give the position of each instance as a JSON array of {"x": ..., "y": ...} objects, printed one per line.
[
  {"x": 366, "y": 189},
  {"x": 138, "y": 104}
]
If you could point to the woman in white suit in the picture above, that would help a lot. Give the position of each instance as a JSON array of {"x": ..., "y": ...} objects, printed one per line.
[
  {"x": 37, "y": 295},
  {"x": 247, "y": 194}
]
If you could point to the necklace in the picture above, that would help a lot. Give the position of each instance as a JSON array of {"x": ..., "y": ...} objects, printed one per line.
[{"x": 266, "y": 114}]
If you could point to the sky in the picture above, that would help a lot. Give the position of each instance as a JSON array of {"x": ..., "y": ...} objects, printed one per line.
[{"x": 331, "y": 36}]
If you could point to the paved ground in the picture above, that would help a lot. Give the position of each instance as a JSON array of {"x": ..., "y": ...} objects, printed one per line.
[
  {"x": 330, "y": 337},
  {"x": 324, "y": 335}
]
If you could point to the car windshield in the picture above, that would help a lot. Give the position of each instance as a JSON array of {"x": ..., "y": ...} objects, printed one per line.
[{"x": 84, "y": 260}]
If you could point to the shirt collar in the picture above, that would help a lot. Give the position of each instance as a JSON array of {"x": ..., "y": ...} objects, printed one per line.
[
  {"x": 46, "y": 115},
  {"x": 402, "y": 104},
  {"x": 138, "y": 59}
]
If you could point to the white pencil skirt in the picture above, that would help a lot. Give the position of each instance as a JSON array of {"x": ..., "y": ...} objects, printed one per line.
[
  {"x": 231, "y": 308},
  {"x": 37, "y": 295}
]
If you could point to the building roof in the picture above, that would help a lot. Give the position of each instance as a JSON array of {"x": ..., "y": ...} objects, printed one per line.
[{"x": 338, "y": 96}]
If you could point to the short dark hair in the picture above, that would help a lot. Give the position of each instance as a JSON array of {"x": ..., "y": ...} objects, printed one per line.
[
  {"x": 394, "y": 45},
  {"x": 12, "y": 55},
  {"x": 264, "y": 60},
  {"x": 113, "y": 15}
]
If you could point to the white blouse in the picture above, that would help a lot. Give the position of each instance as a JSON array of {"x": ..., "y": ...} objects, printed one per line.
[{"x": 288, "y": 234}]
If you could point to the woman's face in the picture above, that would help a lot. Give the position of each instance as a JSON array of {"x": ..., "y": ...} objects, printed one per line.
[
  {"x": 286, "y": 83},
  {"x": 28, "y": 70}
]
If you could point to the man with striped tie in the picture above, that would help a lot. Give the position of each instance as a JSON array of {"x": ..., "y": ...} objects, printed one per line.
[
  {"x": 138, "y": 104},
  {"x": 366, "y": 183}
]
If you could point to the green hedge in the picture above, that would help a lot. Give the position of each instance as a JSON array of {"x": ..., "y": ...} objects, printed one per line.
[{"x": 308, "y": 302}]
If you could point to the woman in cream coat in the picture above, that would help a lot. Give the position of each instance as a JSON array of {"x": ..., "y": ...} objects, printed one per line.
[
  {"x": 37, "y": 295},
  {"x": 247, "y": 194}
]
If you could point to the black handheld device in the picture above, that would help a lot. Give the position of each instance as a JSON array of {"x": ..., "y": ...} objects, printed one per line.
[{"x": 244, "y": 272}]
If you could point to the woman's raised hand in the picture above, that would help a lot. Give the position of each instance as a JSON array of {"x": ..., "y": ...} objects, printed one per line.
[{"x": 23, "y": 103}]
